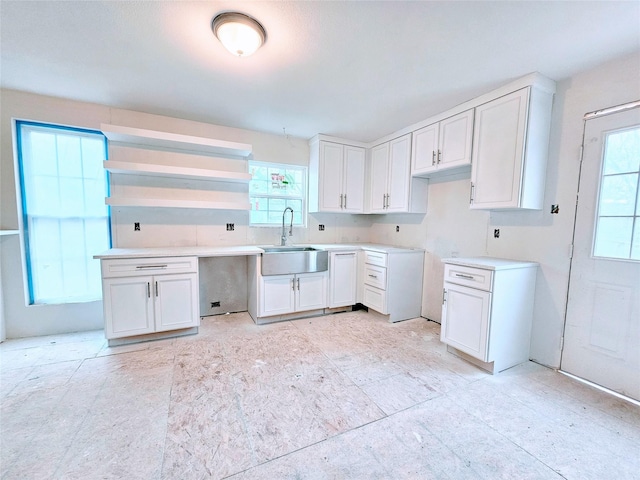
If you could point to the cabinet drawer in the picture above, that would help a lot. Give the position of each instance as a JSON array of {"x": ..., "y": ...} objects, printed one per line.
[
  {"x": 375, "y": 298},
  {"x": 375, "y": 258},
  {"x": 132, "y": 267},
  {"x": 469, "y": 277},
  {"x": 375, "y": 276}
]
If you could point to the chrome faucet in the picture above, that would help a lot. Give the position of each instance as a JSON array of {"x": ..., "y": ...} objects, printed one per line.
[{"x": 283, "y": 238}]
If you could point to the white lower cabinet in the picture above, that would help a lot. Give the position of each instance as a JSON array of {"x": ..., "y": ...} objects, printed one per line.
[
  {"x": 160, "y": 300},
  {"x": 487, "y": 308},
  {"x": 343, "y": 279},
  {"x": 282, "y": 294},
  {"x": 392, "y": 282}
]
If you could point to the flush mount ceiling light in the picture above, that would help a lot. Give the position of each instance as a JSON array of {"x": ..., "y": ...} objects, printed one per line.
[{"x": 239, "y": 33}]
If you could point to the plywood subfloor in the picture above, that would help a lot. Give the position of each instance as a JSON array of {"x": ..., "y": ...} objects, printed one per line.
[{"x": 342, "y": 396}]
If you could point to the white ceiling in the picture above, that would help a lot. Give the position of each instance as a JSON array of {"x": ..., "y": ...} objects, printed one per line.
[{"x": 353, "y": 69}]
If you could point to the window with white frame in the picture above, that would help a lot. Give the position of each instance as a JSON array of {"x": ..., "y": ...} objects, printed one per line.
[
  {"x": 618, "y": 218},
  {"x": 273, "y": 188},
  {"x": 65, "y": 219}
]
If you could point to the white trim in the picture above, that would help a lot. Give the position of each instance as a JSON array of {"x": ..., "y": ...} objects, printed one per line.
[
  {"x": 601, "y": 388},
  {"x": 610, "y": 110}
]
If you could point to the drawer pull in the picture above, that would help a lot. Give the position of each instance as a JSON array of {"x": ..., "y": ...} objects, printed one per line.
[
  {"x": 373, "y": 276},
  {"x": 345, "y": 254},
  {"x": 468, "y": 277},
  {"x": 140, "y": 267}
]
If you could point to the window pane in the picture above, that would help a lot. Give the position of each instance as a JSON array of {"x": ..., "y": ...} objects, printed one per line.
[
  {"x": 618, "y": 195},
  {"x": 274, "y": 187},
  {"x": 65, "y": 213},
  {"x": 622, "y": 152},
  {"x": 69, "y": 157},
  {"x": 613, "y": 237},
  {"x": 41, "y": 148}
]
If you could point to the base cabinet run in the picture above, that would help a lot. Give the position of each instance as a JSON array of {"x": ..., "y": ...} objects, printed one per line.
[
  {"x": 487, "y": 308},
  {"x": 146, "y": 296}
]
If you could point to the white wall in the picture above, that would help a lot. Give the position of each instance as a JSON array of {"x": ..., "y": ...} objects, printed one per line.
[
  {"x": 450, "y": 228},
  {"x": 159, "y": 227}
]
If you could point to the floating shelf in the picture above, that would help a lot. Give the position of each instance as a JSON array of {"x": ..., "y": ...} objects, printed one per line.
[
  {"x": 9, "y": 232},
  {"x": 154, "y": 170},
  {"x": 153, "y": 138},
  {"x": 175, "y": 203}
]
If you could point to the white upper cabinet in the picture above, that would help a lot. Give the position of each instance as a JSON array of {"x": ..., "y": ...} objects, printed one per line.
[
  {"x": 443, "y": 146},
  {"x": 391, "y": 187},
  {"x": 336, "y": 177},
  {"x": 510, "y": 142}
]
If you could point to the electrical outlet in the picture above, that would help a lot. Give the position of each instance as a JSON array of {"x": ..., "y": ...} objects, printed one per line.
[
  {"x": 136, "y": 227},
  {"x": 321, "y": 227},
  {"x": 231, "y": 227},
  {"x": 496, "y": 233},
  {"x": 555, "y": 209},
  {"x": 397, "y": 228}
]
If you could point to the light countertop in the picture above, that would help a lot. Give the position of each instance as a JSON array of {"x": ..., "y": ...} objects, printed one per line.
[
  {"x": 489, "y": 263},
  {"x": 154, "y": 252}
]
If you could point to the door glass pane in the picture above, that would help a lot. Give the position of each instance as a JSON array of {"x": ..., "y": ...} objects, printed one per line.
[
  {"x": 618, "y": 195},
  {"x": 621, "y": 152},
  {"x": 613, "y": 237},
  {"x": 619, "y": 202}
]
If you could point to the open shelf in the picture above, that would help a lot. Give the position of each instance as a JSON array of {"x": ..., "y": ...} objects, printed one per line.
[
  {"x": 128, "y": 168},
  {"x": 153, "y": 138},
  {"x": 175, "y": 203},
  {"x": 9, "y": 232}
]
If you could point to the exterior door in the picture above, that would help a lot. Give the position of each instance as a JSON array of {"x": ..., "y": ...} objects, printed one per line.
[{"x": 602, "y": 328}]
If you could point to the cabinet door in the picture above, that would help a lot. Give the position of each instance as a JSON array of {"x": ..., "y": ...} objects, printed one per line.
[
  {"x": 176, "y": 301},
  {"x": 353, "y": 179},
  {"x": 330, "y": 177},
  {"x": 343, "y": 270},
  {"x": 311, "y": 291},
  {"x": 379, "y": 173},
  {"x": 465, "y": 320},
  {"x": 424, "y": 150},
  {"x": 498, "y": 150},
  {"x": 456, "y": 134},
  {"x": 399, "y": 174},
  {"x": 276, "y": 295},
  {"x": 128, "y": 306}
]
